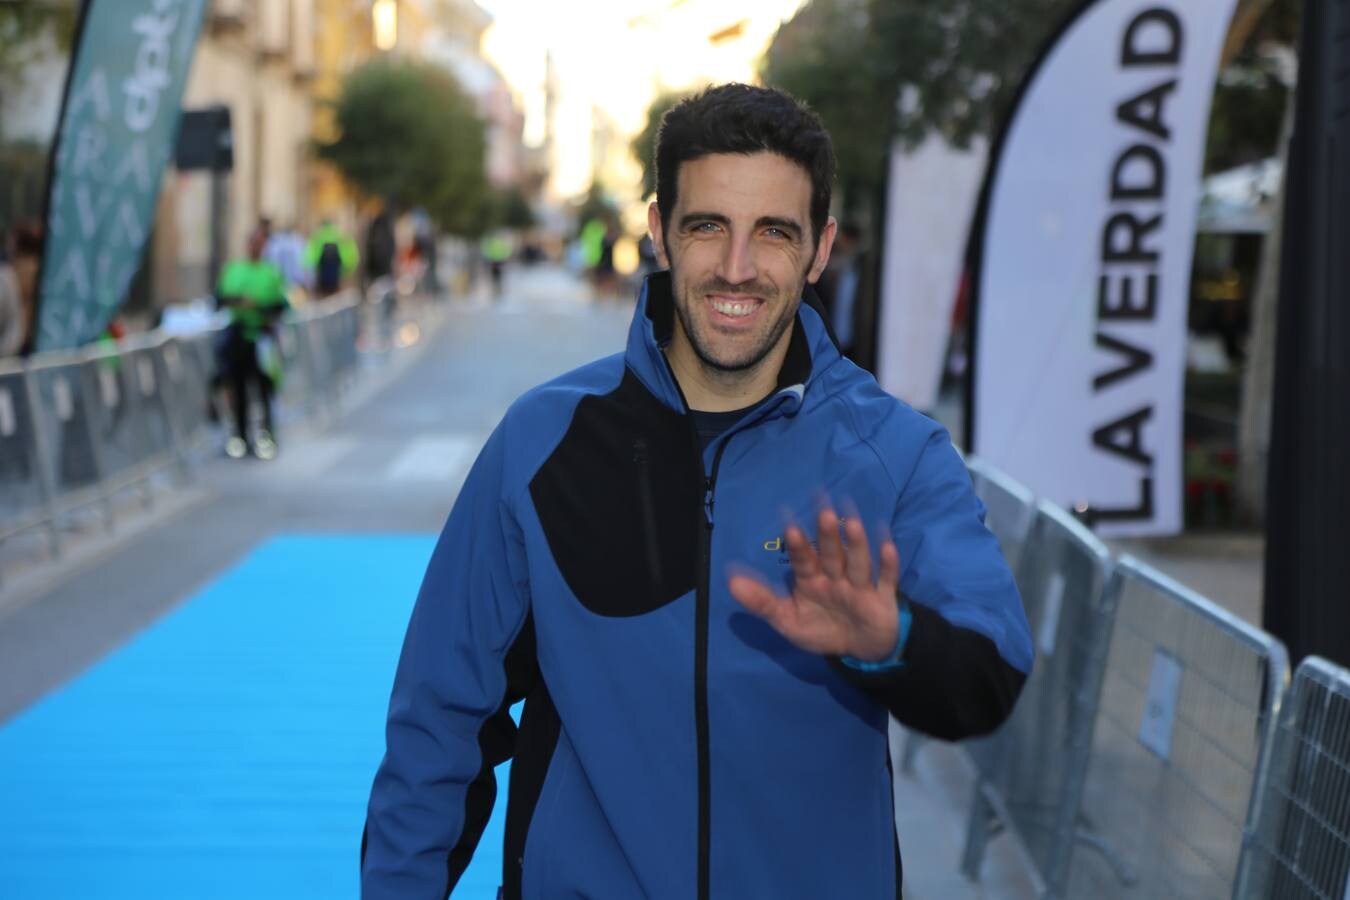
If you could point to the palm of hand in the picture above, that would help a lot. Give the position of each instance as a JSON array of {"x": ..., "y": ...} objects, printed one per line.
[{"x": 835, "y": 607}]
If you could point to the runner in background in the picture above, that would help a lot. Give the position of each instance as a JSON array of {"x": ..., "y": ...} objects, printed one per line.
[{"x": 254, "y": 291}]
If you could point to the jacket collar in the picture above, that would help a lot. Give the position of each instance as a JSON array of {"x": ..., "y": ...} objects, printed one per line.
[{"x": 811, "y": 349}]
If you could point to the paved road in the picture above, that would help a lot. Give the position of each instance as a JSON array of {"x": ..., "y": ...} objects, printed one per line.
[{"x": 391, "y": 464}]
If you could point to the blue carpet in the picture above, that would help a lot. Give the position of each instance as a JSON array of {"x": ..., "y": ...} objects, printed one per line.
[{"x": 228, "y": 750}]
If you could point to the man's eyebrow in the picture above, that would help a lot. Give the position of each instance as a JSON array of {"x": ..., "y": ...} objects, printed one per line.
[{"x": 695, "y": 218}]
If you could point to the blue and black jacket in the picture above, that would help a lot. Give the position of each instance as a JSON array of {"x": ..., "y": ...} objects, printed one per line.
[{"x": 671, "y": 744}]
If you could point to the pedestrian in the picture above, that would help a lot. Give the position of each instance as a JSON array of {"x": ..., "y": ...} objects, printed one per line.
[
  {"x": 254, "y": 291},
  {"x": 838, "y": 286},
  {"x": 332, "y": 256},
  {"x": 13, "y": 315},
  {"x": 496, "y": 252},
  {"x": 285, "y": 249},
  {"x": 381, "y": 247},
  {"x": 648, "y": 552}
]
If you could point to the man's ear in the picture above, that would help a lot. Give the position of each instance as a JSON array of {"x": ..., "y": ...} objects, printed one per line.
[
  {"x": 823, "y": 247},
  {"x": 658, "y": 235}
]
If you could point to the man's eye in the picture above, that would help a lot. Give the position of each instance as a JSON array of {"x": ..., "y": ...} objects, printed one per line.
[
  {"x": 775, "y": 232},
  {"x": 705, "y": 227}
]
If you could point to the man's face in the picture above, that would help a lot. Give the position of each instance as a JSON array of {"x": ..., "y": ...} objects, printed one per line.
[{"x": 740, "y": 249}]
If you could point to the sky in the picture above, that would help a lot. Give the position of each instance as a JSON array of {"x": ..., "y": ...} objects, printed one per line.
[{"x": 610, "y": 58}]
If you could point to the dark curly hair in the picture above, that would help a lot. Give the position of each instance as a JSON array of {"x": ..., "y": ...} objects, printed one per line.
[{"x": 739, "y": 118}]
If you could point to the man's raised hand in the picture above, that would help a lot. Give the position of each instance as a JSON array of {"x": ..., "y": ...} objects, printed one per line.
[{"x": 835, "y": 607}]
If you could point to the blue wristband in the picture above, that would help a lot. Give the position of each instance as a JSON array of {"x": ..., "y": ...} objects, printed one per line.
[{"x": 896, "y": 659}]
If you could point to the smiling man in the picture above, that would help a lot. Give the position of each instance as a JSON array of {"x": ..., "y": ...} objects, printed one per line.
[{"x": 647, "y": 553}]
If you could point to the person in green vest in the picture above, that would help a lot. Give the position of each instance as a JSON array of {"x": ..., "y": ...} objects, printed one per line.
[
  {"x": 331, "y": 256},
  {"x": 254, "y": 291},
  {"x": 497, "y": 252}
]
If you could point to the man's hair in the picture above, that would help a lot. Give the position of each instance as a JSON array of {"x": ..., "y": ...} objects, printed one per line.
[{"x": 738, "y": 118}]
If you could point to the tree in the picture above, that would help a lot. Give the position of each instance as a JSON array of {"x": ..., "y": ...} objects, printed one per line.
[
  {"x": 23, "y": 28},
  {"x": 409, "y": 135},
  {"x": 644, "y": 145},
  {"x": 514, "y": 210},
  {"x": 876, "y": 70}
]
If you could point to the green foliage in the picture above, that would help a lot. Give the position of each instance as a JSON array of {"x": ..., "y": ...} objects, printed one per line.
[
  {"x": 22, "y": 26},
  {"x": 411, "y": 136},
  {"x": 644, "y": 145},
  {"x": 514, "y": 210},
  {"x": 1244, "y": 124},
  {"x": 951, "y": 68}
]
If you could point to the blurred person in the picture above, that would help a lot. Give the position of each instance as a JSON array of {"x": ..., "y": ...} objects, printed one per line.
[
  {"x": 254, "y": 291},
  {"x": 13, "y": 316},
  {"x": 332, "y": 256},
  {"x": 285, "y": 249},
  {"x": 496, "y": 253},
  {"x": 26, "y": 261},
  {"x": 706, "y": 691},
  {"x": 838, "y": 287},
  {"x": 424, "y": 242},
  {"x": 606, "y": 277},
  {"x": 381, "y": 247}
]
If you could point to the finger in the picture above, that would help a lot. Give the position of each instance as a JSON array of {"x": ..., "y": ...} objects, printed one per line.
[
  {"x": 755, "y": 596},
  {"x": 857, "y": 555},
  {"x": 888, "y": 580},
  {"x": 805, "y": 562},
  {"x": 831, "y": 548}
]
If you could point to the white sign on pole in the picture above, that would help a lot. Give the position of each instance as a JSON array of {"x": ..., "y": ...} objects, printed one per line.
[
  {"x": 7, "y": 420},
  {"x": 1054, "y": 605},
  {"x": 1160, "y": 704},
  {"x": 1085, "y": 260},
  {"x": 930, "y": 202}
]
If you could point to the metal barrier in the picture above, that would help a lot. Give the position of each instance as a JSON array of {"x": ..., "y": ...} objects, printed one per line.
[
  {"x": 1188, "y": 699},
  {"x": 1298, "y": 845},
  {"x": 1030, "y": 772},
  {"x": 1010, "y": 510},
  {"x": 78, "y": 427}
]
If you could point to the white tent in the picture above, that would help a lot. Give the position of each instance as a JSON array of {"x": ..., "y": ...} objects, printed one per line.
[{"x": 1241, "y": 200}]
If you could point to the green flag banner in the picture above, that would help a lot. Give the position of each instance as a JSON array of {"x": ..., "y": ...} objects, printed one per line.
[{"x": 117, "y": 129}]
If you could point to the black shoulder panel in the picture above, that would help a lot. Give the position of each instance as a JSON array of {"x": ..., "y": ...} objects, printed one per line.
[{"x": 620, "y": 500}]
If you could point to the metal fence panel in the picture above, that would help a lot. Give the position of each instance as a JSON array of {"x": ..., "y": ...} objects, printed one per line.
[
  {"x": 1187, "y": 703},
  {"x": 21, "y": 494},
  {"x": 1031, "y": 771},
  {"x": 1299, "y": 842},
  {"x": 64, "y": 391},
  {"x": 188, "y": 389},
  {"x": 1010, "y": 510}
]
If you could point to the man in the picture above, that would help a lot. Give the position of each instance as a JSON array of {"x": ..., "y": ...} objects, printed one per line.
[
  {"x": 706, "y": 692},
  {"x": 255, "y": 293}
]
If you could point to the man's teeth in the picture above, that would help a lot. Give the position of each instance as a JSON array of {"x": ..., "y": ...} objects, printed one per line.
[{"x": 729, "y": 308}]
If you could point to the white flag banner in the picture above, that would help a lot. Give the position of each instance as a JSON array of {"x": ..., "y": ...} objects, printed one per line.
[
  {"x": 932, "y": 193},
  {"x": 1084, "y": 262}
]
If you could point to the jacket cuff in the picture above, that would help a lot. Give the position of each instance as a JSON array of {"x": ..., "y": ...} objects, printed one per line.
[{"x": 896, "y": 658}]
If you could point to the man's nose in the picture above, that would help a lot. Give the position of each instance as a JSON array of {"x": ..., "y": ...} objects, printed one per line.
[{"x": 738, "y": 261}]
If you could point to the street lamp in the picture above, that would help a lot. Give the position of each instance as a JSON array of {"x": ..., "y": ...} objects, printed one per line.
[{"x": 384, "y": 21}]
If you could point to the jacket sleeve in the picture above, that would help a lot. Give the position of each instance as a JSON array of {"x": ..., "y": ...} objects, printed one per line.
[
  {"x": 448, "y": 723},
  {"x": 968, "y": 649}
]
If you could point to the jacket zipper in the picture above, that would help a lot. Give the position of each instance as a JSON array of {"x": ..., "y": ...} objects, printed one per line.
[{"x": 701, "y": 606}]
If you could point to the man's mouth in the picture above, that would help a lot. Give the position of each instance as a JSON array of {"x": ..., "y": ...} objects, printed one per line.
[{"x": 736, "y": 308}]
